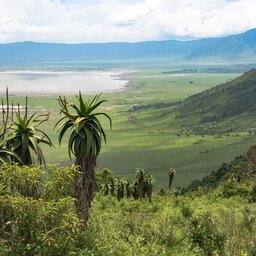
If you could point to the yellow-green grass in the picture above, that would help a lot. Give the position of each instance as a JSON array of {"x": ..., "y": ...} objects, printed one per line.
[{"x": 151, "y": 141}]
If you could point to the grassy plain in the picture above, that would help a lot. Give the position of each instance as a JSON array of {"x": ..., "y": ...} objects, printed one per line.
[{"x": 149, "y": 139}]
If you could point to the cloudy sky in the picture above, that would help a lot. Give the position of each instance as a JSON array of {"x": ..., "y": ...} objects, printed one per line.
[{"x": 76, "y": 21}]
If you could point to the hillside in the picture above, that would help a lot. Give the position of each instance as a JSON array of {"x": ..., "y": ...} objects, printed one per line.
[
  {"x": 239, "y": 171},
  {"x": 236, "y": 47},
  {"x": 227, "y": 107}
]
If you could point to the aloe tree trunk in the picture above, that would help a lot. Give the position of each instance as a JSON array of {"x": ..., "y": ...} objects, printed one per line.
[
  {"x": 120, "y": 192},
  {"x": 85, "y": 186},
  {"x": 112, "y": 187},
  {"x": 171, "y": 176},
  {"x": 149, "y": 192}
]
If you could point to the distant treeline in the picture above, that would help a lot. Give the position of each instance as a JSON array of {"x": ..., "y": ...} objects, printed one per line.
[
  {"x": 214, "y": 69},
  {"x": 156, "y": 105}
]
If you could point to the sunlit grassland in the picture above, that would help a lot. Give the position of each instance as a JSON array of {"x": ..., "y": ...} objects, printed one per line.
[{"x": 151, "y": 141}]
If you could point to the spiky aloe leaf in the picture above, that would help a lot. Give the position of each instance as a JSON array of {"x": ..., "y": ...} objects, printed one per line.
[
  {"x": 86, "y": 129},
  {"x": 25, "y": 137}
]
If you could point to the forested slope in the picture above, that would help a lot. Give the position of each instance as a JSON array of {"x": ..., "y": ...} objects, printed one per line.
[{"x": 227, "y": 107}]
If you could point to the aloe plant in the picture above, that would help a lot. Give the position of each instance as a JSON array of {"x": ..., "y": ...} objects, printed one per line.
[
  {"x": 120, "y": 188},
  {"x": 171, "y": 174},
  {"x": 20, "y": 136},
  {"x": 106, "y": 182},
  {"x": 6, "y": 155},
  {"x": 129, "y": 189},
  {"x": 140, "y": 176},
  {"x": 84, "y": 143},
  {"x": 148, "y": 185},
  {"x": 25, "y": 137}
]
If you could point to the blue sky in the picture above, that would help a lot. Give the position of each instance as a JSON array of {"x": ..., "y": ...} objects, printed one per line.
[{"x": 77, "y": 21}]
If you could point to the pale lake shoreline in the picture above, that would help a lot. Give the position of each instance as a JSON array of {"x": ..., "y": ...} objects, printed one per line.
[{"x": 52, "y": 83}]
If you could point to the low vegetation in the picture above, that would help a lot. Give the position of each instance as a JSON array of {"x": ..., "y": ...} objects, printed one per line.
[{"x": 38, "y": 217}]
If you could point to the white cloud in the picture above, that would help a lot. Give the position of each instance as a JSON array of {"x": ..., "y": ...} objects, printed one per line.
[{"x": 75, "y": 21}]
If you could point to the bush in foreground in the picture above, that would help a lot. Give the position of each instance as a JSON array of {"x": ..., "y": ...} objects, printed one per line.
[{"x": 38, "y": 217}]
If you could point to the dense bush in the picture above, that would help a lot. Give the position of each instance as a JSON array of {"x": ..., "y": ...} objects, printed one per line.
[
  {"x": 37, "y": 214},
  {"x": 38, "y": 217},
  {"x": 204, "y": 233}
]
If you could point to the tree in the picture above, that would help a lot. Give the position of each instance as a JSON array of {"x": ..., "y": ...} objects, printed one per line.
[
  {"x": 140, "y": 176},
  {"x": 112, "y": 186},
  {"x": 120, "y": 183},
  {"x": 171, "y": 173},
  {"x": 129, "y": 189},
  {"x": 106, "y": 182},
  {"x": 135, "y": 190},
  {"x": 148, "y": 185},
  {"x": 84, "y": 143},
  {"x": 143, "y": 187}
]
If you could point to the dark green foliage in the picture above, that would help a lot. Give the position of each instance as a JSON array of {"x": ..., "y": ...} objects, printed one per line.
[
  {"x": 204, "y": 233},
  {"x": 106, "y": 182},
  {"x": 162, "y": 192},
  {"x": 253, "y": 194},
  {"x": 135, "y": 190},
  {"x": 158, "y": 105},
  {"x": 140, "y": 177},
  {"x": 112, "y": 187},
  {"x": 129, "y": 189},
  {"x": 148, "y": 185},
  {"x": 171, "y": 173},
  {"x": 186, "y": 211},
  {"x": 144, "y": 184},
  {"x": 120, "y": 184},
  {"x": 232, "y": 188},
  {"x": 141, "y": 187}
]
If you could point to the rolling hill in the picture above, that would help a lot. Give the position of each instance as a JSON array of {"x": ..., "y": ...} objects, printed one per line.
[
  {"x": 239, "y": 47},
  {"x": 227, "y": 107},
  {"x": 238, "y": 171}
]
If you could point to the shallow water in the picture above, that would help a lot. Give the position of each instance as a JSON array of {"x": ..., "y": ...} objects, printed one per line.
[{"x": 49, "y": 82}]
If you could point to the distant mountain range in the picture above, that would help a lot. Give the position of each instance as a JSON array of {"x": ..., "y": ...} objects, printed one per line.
[{"x": 234, "y": 47}]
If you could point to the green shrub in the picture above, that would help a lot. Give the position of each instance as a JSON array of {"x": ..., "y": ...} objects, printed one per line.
[
  {"x": 203, "y": 233},
  {"x": 232, "y": 188},
  {"x": 253, "y": 194},
  {"x": 37, "y": 215}
]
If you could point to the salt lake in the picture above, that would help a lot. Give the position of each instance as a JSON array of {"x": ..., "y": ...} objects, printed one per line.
[{"x": 63, "y": 82}]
